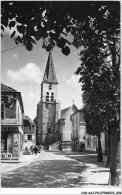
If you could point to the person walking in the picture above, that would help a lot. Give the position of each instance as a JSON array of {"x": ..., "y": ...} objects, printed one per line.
[{"x": 35, "y": 150}]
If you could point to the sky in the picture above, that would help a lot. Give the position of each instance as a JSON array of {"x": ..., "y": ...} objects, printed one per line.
[{"x": 23, "y": 70}]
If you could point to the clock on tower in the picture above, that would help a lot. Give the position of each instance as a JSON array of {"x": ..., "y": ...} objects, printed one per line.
[{"x": 49, "y": 106}]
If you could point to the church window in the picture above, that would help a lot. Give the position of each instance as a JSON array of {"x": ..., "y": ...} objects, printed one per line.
[
  {"x": 50, "y": 86},
  {"x": 52, "y": 96},
  {"x": 47, "y": 96}
]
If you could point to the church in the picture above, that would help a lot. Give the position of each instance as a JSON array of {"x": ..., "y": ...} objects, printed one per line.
[
  {"x": 48, "y": 108},
  {"x": 53, "y": 125}
]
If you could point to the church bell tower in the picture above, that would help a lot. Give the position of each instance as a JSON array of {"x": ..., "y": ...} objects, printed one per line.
[{"x": 48, "y": 109}]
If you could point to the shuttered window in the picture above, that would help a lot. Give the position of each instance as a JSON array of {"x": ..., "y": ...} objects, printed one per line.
[{"x": 2, "y": 110}]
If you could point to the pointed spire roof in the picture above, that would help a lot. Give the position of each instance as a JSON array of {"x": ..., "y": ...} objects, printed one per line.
[{"x": 50, "y": 75}]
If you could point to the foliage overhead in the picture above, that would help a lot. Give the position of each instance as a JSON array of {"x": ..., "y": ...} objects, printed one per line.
[{"x": 53, "y": 20}]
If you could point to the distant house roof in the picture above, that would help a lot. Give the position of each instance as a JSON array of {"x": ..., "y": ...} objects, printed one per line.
[
  {"x": 64, "y": 111},
  {"x": 8, "y": 90},
  {"x": 80, "y": 110},
  {"x": 28, "y": 118},
  {"x": 5, "y": 88}
]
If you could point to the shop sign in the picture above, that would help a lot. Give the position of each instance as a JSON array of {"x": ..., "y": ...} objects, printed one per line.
[
  {"x": 15, "y": 155},
  {"x": 9, "y": 155},
  {"x": 15, "y": 150},
  {"x": 6, "y": 128}
]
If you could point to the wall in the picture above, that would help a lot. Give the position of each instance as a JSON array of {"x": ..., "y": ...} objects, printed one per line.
[
  {"x": 103, "y": 143},
  {"x": 93, "y": 143},
  {"x": 39, "y": 123},
  {"x": 68, "y": 126},
  {"x": 78, "y": 126},
  {"x": 19, "y": 114},
  {"x": 29, "y": 130},
  {"x": 27, "y": 143},
  {"x": 45, "y": 118}
]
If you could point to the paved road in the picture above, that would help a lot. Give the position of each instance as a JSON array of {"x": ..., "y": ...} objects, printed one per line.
[{"x": 49, "y": 170}]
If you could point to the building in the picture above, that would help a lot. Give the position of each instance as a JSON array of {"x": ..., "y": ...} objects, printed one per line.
[
  {"x": 48, "y": 108},
  {"x": 91, "y": 143},
  {"x": 65, "y": 127},
  {"x": 78, "y": 131},
  {"x": 80, "y": 139},
  {"x": 11, "y": 123},
  {"x": 29, "y": 138}
]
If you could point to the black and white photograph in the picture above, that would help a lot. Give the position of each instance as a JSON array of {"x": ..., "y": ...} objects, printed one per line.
[{"x": 60, "y": 97}]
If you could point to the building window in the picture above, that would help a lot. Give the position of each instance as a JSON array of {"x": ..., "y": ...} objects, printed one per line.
[
  {"x": 3, "y": 142},
  {"x": 52, "y": 96},
  {"x": 49, "y": 130},
  {"x": 76, "y": 121},
  {"x": 29, "y": 137},
  {"x": 18, "y": 114},
  {"x": 88, "y": 142},
  {"x": 47, "y": 96},
  {"x": 73, "y": 134},
  {"x": 50, "y": 86},
  {"x": 94, "y": 142},
  {"x": 76, "y": 133},
  {"x": 2, "y": 110},
  {"x": 73, "y": 122}
]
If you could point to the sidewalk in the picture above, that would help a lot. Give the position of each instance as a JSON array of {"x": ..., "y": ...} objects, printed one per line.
[
  {"x": 95, "y": 174},
  {"x": 24, "y": 160}
]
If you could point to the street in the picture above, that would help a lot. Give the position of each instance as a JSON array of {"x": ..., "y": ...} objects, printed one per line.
[{"x": 48, "y": 170}]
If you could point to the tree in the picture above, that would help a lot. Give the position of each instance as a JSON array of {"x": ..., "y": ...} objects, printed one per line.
[
  {"x": 51, "y": 139},
  {"x": 90, "y": 23},
  {"x": 100, "y": 77}
]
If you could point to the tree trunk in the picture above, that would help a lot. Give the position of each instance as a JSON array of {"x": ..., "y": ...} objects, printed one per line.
[
  {"x": 100, "y": 154},
  {"x": 115, "y": 158},
  {"x": 108, "y": 148},
  {"x": 115, "y": 135}
]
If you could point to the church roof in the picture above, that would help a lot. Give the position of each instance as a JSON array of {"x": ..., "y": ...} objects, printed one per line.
[{"x": 50, "y": 75}]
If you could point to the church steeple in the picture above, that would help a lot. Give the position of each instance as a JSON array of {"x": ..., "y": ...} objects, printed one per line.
[{"x": 50, "y": 75}]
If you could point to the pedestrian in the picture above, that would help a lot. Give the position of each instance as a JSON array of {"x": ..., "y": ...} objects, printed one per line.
[{"x": 35, "y": 150}]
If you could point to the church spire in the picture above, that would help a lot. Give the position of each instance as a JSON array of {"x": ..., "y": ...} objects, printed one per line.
[{"x": 50, "y": 75}]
